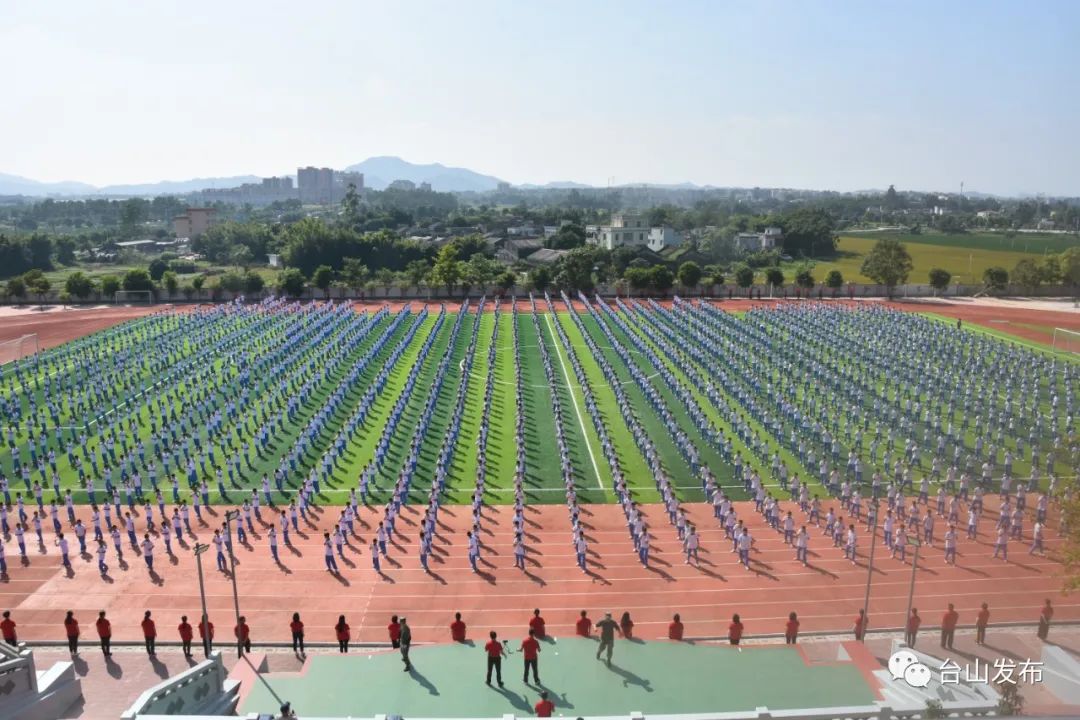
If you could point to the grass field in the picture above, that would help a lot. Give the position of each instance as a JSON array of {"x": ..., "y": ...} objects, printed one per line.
[
  {"x": 966, "y": 263},
  {"x": 312, "y": 380},
  {"x": 1034, "y": 243}
]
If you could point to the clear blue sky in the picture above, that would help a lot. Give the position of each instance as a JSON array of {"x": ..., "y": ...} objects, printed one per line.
[{"x": 840, "y": 95}]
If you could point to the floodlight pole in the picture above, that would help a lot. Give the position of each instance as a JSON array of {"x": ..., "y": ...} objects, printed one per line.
[
  {"x": 200, "y": 548},
  {"x": 911, "y": 589},
  {"x": 231, "y": 515},
  {"x": 870, "y": 570}
]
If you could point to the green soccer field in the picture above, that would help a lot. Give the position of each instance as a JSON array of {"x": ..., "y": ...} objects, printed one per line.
[{"x": 240, "y": 392}]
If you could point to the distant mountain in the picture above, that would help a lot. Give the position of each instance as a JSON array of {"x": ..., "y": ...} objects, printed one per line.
[
  {"x": 178, "y": 187},
  {"x": 15, "y": 185},
  {"x": 379, "y": 172},
  {"x": 556, "y": 185}
]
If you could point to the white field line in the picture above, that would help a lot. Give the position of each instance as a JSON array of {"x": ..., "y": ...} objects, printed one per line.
[{"x": 573, "y": 398}]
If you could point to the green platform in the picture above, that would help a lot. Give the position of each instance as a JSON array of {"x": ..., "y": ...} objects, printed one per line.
[{"x": 655, "y": 677}]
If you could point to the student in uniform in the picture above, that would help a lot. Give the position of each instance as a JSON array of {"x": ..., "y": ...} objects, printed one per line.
[
  {"x": 149, "y": 629},
  {"x": 186, "y": 635},
  {"x": 341, "y": 632},
  {"x": 494, "y": 651}
]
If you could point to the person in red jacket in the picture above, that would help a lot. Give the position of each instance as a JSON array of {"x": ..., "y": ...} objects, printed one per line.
[
  {"x": 457, "y": 629},
  {"x": 104, "y": 631},
  {"x": 912, "y": 629},
  {"x": 537, "y": 625},
  {"x": 544, "y": 707},
  {"x": 7, "y": 629},
  {"x": 243, "y": 636},
  {"x": 626, "y": 625},
  {"x": 791, "y": 630},
  {"x": 530, "y": 649},
  {"x": 981, "y": 621},
  {"x": 394, "y": 630},
  {"x": 948, "y": 627},
  {"x": 1046, "y": 614},
  {"x": 149, "y": 631},
  {"x": 71, "y": 629},
  {"x": 735, "y": 630},
  {"x": 494, "y": 651},
  {"x": 584, "y": 625},
  {"x": 206, "y": 634},
  {"x": 860, "y": 625},
  {"x": 342, "y": 632},
  {"x": 186, "y": 635},
  {"x": 675, "y": 629},
  {"x": 296, "y": 627}
]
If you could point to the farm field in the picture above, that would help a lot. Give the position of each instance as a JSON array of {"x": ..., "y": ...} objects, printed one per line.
[
  {"x": 964, "y": 262},
  {"x": 1034, "y": 243}
]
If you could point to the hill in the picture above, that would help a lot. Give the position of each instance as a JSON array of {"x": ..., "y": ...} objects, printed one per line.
[{"x": 381, "y": 171}]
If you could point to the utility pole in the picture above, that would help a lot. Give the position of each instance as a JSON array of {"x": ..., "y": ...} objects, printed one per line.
[
  {"x": 200, "y": 548},
  {"x": 870, "y": 569},
  {"x": 231, "y": 515},
  {"x": 914, "y": 566}
]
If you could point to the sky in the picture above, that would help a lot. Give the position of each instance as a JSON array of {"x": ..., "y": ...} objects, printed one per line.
[{"x": 804, "y": 94}]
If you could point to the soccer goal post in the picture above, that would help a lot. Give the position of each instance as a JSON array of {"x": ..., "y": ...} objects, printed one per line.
[
  {"x": 133, "y": 297},
  {"x": 1066, "y": 341},
  {"x": 19, "y": 349}
]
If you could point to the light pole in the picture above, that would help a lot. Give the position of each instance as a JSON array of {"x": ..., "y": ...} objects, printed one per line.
[
  {"x": 914, "y": 566},
  {"x": 231, "y": 515},
  {"x": 870, "y": 569},
  {"x": 200, "y": 548}
]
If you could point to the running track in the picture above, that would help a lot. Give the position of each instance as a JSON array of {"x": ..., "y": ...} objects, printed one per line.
[{"x": 826, "y": 595}]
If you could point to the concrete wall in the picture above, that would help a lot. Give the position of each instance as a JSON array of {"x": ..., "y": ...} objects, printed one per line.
[{"x": 202, "y": 690}]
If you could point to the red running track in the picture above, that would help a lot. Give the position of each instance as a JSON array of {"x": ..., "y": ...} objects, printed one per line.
[{"x": 826, "y": 595}]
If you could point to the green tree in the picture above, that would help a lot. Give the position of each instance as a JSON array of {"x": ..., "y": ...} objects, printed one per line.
[
  {"x": 506, "y": 281},
  {"x": 540, "y": 279},
  {"x": 804, "y": 278},
  {"x": 65, "y": 250},
  {"x": 385, "y": 277},
  {"x": 37, "y": 284},
  {"x": 417, "y": 270},
  {"x": 355, "y": 273},
  {"x": 940, "y": 279},
  {"x": 808, "y": 231},
  {"x": 291, "y": 282},
  {"x": 638, "y": 277},
  {"x": 157, "y": 269},
  {"x": 322, "y": 277},
  {"x": 1050, "y": 269},
  {"x": 131, "y": 214},
  {"x": 446, "y": 272},
  {"x": 1027, "y": 275},
  {"x": 253, "y": 282},
  {"x": 16, "y": 288},
  {"x": 888, "y": 263},
  {"x": 834, "y": 281},
  {"x": 241, "y": 256},
  {"x": 79, "y": 284},
  {"x": 138, "y": 279},
  {"x": 744, "y": 276},
  {"x": 231, "y": 282},
  {"x": 661, "y": 278},
  {"x": 170, "y": 282},
  {"x": 689, "y": 274},
  {"x": 1070, "y": 268},
  {"x": 775, "y": 277},
  {"x": 109, "y": 285},
  {"x": 567, "y": 237},
  {"x": 350, "y": 207},
  {"x": 995, "y": 278},
  {"x": 198, "y": 282}
]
